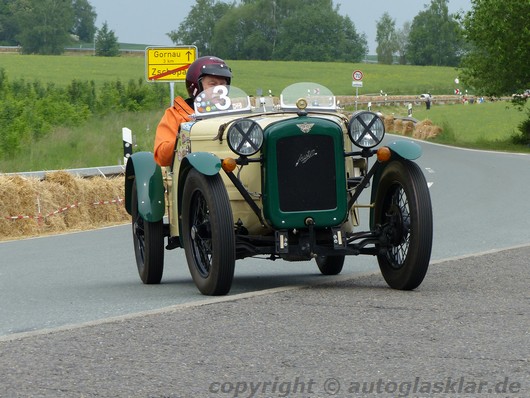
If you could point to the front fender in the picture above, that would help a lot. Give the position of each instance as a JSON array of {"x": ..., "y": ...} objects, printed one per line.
[
  {"x": 204, "y": 162},
  {"x": 406, "y": 149},
  {"x": 142, "y": 167}
]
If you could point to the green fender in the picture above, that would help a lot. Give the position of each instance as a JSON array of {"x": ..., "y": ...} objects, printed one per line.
[
  {"x": 408, "y": 150},
  {"x": 142, "y": 167},
  {"x": 204, "y": 162}
]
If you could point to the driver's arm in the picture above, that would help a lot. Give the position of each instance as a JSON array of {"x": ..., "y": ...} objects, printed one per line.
[{"x": 167, "y": 131}]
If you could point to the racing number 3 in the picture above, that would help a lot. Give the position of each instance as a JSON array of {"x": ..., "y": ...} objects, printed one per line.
[{"x": 224, "y": 103}]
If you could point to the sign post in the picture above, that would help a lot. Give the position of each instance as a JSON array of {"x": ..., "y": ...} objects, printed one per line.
[
  {"x": 127, "y": 144},
  {"x": 357, "y": 82}
]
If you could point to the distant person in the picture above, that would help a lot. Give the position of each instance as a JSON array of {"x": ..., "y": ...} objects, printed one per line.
[
  {"x": 428, "y": 101},
  {"x": 205, "y": 72}
]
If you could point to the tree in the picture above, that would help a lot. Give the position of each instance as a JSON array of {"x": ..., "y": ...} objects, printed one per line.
[
  {"x": 497, "y": 60},
  {"x": 435, "y": 37},
  {"x": 44, "y": 25},
  {"x": 272, "y": 29},
  {"x": 402, "y": 42},
  {"x": 386, "y": 39},
  {"x": 106, "y": 42},
  {"x": 353, "y": 45},
  {"x": 240, "y": 35},
  {"x": 318, "y": 33},
  {"x": 85, "y": 18},
  {"x": 198, "y": 27},
  {"x": 8, "y": 26}
]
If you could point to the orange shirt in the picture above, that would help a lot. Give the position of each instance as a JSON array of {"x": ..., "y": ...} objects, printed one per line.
[{"x": 167, "y": 131}]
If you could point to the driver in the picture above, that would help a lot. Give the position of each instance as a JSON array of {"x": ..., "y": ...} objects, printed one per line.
[{"x": 203, "y": 73}]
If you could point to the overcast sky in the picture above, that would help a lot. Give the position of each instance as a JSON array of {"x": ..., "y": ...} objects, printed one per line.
[{"x": 148, "y": 22}]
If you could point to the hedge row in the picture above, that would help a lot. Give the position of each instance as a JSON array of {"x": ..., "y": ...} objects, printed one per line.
[{"x": 30, "y": 110}]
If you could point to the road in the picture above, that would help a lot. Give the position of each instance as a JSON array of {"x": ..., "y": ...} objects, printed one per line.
[
  {"x": 77, "y": 322},
  {"x": 480, "y": 203},
  {"x": 463, "y": 333}
]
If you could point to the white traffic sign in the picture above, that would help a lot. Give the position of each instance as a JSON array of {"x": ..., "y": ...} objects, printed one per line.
[
  {"x": 357, "y": 84},
  {"x": 357, "y": 75}
]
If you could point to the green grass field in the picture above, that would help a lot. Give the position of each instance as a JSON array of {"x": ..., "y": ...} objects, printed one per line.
[
  {"x": 475, "y": 123},
  {"x": 98, "y": 142},
  {"x": 248, "y": 75}
]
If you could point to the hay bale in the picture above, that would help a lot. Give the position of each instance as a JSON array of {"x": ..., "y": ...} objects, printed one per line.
[
  {"x": 398, "y": 126},
  {"x": 426, "y": 130},
  {"x": 104, "y": 195},
  {"x": 60, "y": 202},
  {"x": 18, "y": 199},
  {"x": 408, "y": 128},
  {"x": 389, "y": 123}
]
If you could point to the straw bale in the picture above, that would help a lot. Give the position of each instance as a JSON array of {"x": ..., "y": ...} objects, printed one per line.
[
  {"x": 426, "y": 129},
  {"x": 17, "y": 199},
  {"x": 398, "y": 126},
  {"x": 426, "y": 122},
  {"x": 58, "y": 203},
  {"x": 389, "y": 123},
  {"x": 408, "y": 128},
  {"x": 98, "y": 190},
  {"x": 57, "y": 191}
]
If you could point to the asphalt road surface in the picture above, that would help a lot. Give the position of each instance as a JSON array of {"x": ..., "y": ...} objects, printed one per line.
[
  {"x": 463, "y": 333},
  {"x": 76, "y": 321}
]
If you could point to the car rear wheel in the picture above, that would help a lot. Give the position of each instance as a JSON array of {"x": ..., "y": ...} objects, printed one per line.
[
  {"x": 208, "y": 233},
  {"x": 148, "y": 240},
  {"x": 403, "y": 209},
  {"x": 330, "y": 265}
]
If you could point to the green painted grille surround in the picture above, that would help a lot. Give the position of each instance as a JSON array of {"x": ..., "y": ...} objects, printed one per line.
[{"x": 324, "y": 131}]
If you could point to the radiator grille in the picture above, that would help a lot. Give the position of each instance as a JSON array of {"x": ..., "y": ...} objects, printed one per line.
[{"x": 306, "y": 173}]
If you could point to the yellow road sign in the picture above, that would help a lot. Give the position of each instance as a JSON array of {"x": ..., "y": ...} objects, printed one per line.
[{"x": 168, "y": 64}]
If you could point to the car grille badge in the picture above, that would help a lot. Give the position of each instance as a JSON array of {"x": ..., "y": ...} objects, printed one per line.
[
  {"x": 303, "y": 158},
  {"x": 305, "y": 127}
]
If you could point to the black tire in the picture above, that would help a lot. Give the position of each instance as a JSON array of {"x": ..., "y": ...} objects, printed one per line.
[
  {"x": 148, "y": 240},
  {"x": 403, "y": 208},
  {"x": 208, "y": 233},
  {"x": 330, "y": 265}
]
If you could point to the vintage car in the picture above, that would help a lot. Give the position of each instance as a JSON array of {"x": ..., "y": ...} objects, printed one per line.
[{"x": 280, "y": 179}]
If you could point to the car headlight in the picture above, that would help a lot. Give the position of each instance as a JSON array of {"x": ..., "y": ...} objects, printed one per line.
[
  {"x": 245, "y": 137},
  {"x": 366, "y": 129}
]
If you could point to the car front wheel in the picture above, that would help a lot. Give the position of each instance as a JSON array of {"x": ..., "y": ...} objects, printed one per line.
[
  {"x": 403, "y": 210},
  {"x": 208, "y": 233}
]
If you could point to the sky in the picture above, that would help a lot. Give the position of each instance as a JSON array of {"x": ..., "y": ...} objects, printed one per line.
[{"x": 148, "y": 22}]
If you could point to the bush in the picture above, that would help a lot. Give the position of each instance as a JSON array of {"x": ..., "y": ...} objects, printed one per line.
[
  {"x": 82, "y": 93},
  {"x": 524, "y": 137},
  {"x": 30, "y": 110}
]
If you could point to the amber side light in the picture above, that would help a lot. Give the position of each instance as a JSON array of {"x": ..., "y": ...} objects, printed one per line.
[
  {"x": 229, "y": 164},
  {"x": 384, "y": 154}
]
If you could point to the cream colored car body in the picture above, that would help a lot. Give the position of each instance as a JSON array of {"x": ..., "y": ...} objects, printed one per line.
[{"x": 203, "y": 136}]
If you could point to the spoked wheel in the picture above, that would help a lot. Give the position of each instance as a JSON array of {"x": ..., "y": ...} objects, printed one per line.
[
  {"x": 330, "y": 265},
  {"x": 208, "y": 233},
  {"x": 148, "y": 239},
  {"x": 403, "y": 209}
]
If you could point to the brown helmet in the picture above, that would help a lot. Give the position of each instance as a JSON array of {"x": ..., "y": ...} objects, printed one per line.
[{"x": 205, "y": 66}]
